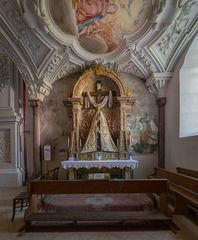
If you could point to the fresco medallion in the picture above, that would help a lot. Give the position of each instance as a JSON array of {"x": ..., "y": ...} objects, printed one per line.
[{"x": 100, "y": 25}]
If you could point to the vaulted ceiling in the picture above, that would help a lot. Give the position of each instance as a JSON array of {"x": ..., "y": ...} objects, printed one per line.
[{"x": 48, "y": 39}]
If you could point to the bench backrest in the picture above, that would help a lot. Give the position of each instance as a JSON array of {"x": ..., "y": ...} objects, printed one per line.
[
  {"x": 159, "y": 186},
  {"x": 179, "y": 179},
  {"x": 188, "y": 172}
]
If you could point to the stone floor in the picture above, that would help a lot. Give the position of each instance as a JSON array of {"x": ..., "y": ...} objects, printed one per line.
[{"x": 9, "y": 230}]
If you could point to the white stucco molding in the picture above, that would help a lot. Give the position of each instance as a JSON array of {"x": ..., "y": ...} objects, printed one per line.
[
  {"x": 158, "y": 82},
  {"x": 37, "y": 16},
  {"x": 43, "y": 88},
  {"x": 173, "y": 39},
  {"x": 37, "y": 89},
  {"x": 43, "y": 53}
]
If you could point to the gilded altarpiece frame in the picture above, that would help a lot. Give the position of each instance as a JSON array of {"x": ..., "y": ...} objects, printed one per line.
[{"x": 122, "y": 100}]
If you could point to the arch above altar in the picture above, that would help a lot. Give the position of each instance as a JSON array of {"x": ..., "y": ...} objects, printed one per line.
[{"x": 94, "y": 72}]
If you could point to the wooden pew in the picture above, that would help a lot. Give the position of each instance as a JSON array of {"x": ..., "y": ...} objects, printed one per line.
[
  {"x": 99, "y": 187},
  {"x": 188, "y": 172},
  {"x": 184, "y": 188}
]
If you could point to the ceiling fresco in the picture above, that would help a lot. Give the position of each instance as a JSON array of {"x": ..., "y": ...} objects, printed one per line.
[
  {"x": 145, "y": 38},
  {"x": 100, "y": 25}
]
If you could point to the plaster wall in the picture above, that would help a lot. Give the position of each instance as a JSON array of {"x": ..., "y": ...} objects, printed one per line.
[
  {"x": 180, "y": 152},
  {"x": 56, "y": 121}
]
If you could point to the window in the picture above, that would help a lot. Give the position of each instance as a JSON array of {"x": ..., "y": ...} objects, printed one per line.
[{"x": 189, "y": 92}]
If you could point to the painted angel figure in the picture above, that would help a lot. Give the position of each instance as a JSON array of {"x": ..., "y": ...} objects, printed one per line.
[{"x": 90, "y": 12}]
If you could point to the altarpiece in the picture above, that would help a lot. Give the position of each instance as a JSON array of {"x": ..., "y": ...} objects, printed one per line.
[{"x": 99, "y": 103}]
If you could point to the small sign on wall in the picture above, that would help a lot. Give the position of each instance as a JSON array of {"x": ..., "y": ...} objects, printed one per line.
[{"x": 47, "y": 153}]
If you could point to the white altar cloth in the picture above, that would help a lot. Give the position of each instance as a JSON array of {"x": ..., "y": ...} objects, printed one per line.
[
  {"x": 127, "y": 165},
  {"x": 77, "y": 164}
]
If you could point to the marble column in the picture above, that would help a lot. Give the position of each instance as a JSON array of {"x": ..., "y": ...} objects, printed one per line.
[
  {"x": 35, "y": 104},
  {"x": 161, "y": 102}
]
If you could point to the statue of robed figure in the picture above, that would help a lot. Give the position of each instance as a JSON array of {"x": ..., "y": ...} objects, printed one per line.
[{"x": 99, "y": 137}]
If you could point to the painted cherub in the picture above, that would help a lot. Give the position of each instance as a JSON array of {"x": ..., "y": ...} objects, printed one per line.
[{"x": 90, "y": 12}]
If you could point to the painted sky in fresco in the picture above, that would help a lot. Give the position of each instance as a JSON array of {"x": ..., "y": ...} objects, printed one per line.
[{"x": 100, "y": 24}]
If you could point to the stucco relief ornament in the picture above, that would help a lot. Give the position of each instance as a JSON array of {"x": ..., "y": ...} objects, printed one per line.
[
  {"x": 133, "y": 69},
  {"x": 4, "y": 72},
  {"x": 22, "y": 67},
  {"x": 143, "y": 61},
  {"x": 100, "y": 62},
  {"x": 68, "y": 68},
  {"x": 55, "y": 63},
  {"x": 108, "y": 65},
  {"x": 29, "y": 41},
  {"x": 158, "y": 82},
  {"x": 177, "y": 27},
  {"x": 158, "y": 9},
  {"x": 44, "y": 89}
]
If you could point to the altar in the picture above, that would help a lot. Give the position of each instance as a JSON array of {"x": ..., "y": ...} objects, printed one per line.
[
  {"x": 126, "y": 165},
  {"x": 99, "y": 141}
]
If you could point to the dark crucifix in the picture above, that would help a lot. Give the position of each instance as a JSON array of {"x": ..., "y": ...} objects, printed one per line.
[{"x": 99, "y": 94}]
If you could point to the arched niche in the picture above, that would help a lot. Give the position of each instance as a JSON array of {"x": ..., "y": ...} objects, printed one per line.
[{"x": 111, "y": 85}]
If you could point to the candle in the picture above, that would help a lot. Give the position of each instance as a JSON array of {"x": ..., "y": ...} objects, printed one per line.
[
  {"x": 117, "y": 142},
  {"x": 80, "y": 143},
  {"x": 68, "y": 141}
]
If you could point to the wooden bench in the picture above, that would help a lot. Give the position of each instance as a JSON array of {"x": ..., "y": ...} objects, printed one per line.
[
  {"x": 51, "y": 174},
  {"x": 98, "y": 187},
  {"x": 22, "y": 199},
  {"x": 188, "y": 172},
  {"x": 183, "y": 188},
  {"x": 19, "y": 201}
]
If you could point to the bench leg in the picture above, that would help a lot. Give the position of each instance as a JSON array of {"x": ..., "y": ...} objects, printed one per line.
[
  {"x": 13, "y": 209},
  {"x": 180, "y": 205},
  {"x": 24, "y": 228}
]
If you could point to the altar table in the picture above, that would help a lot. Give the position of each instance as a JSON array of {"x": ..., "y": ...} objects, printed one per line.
[{"x": 127, "y": 165}]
